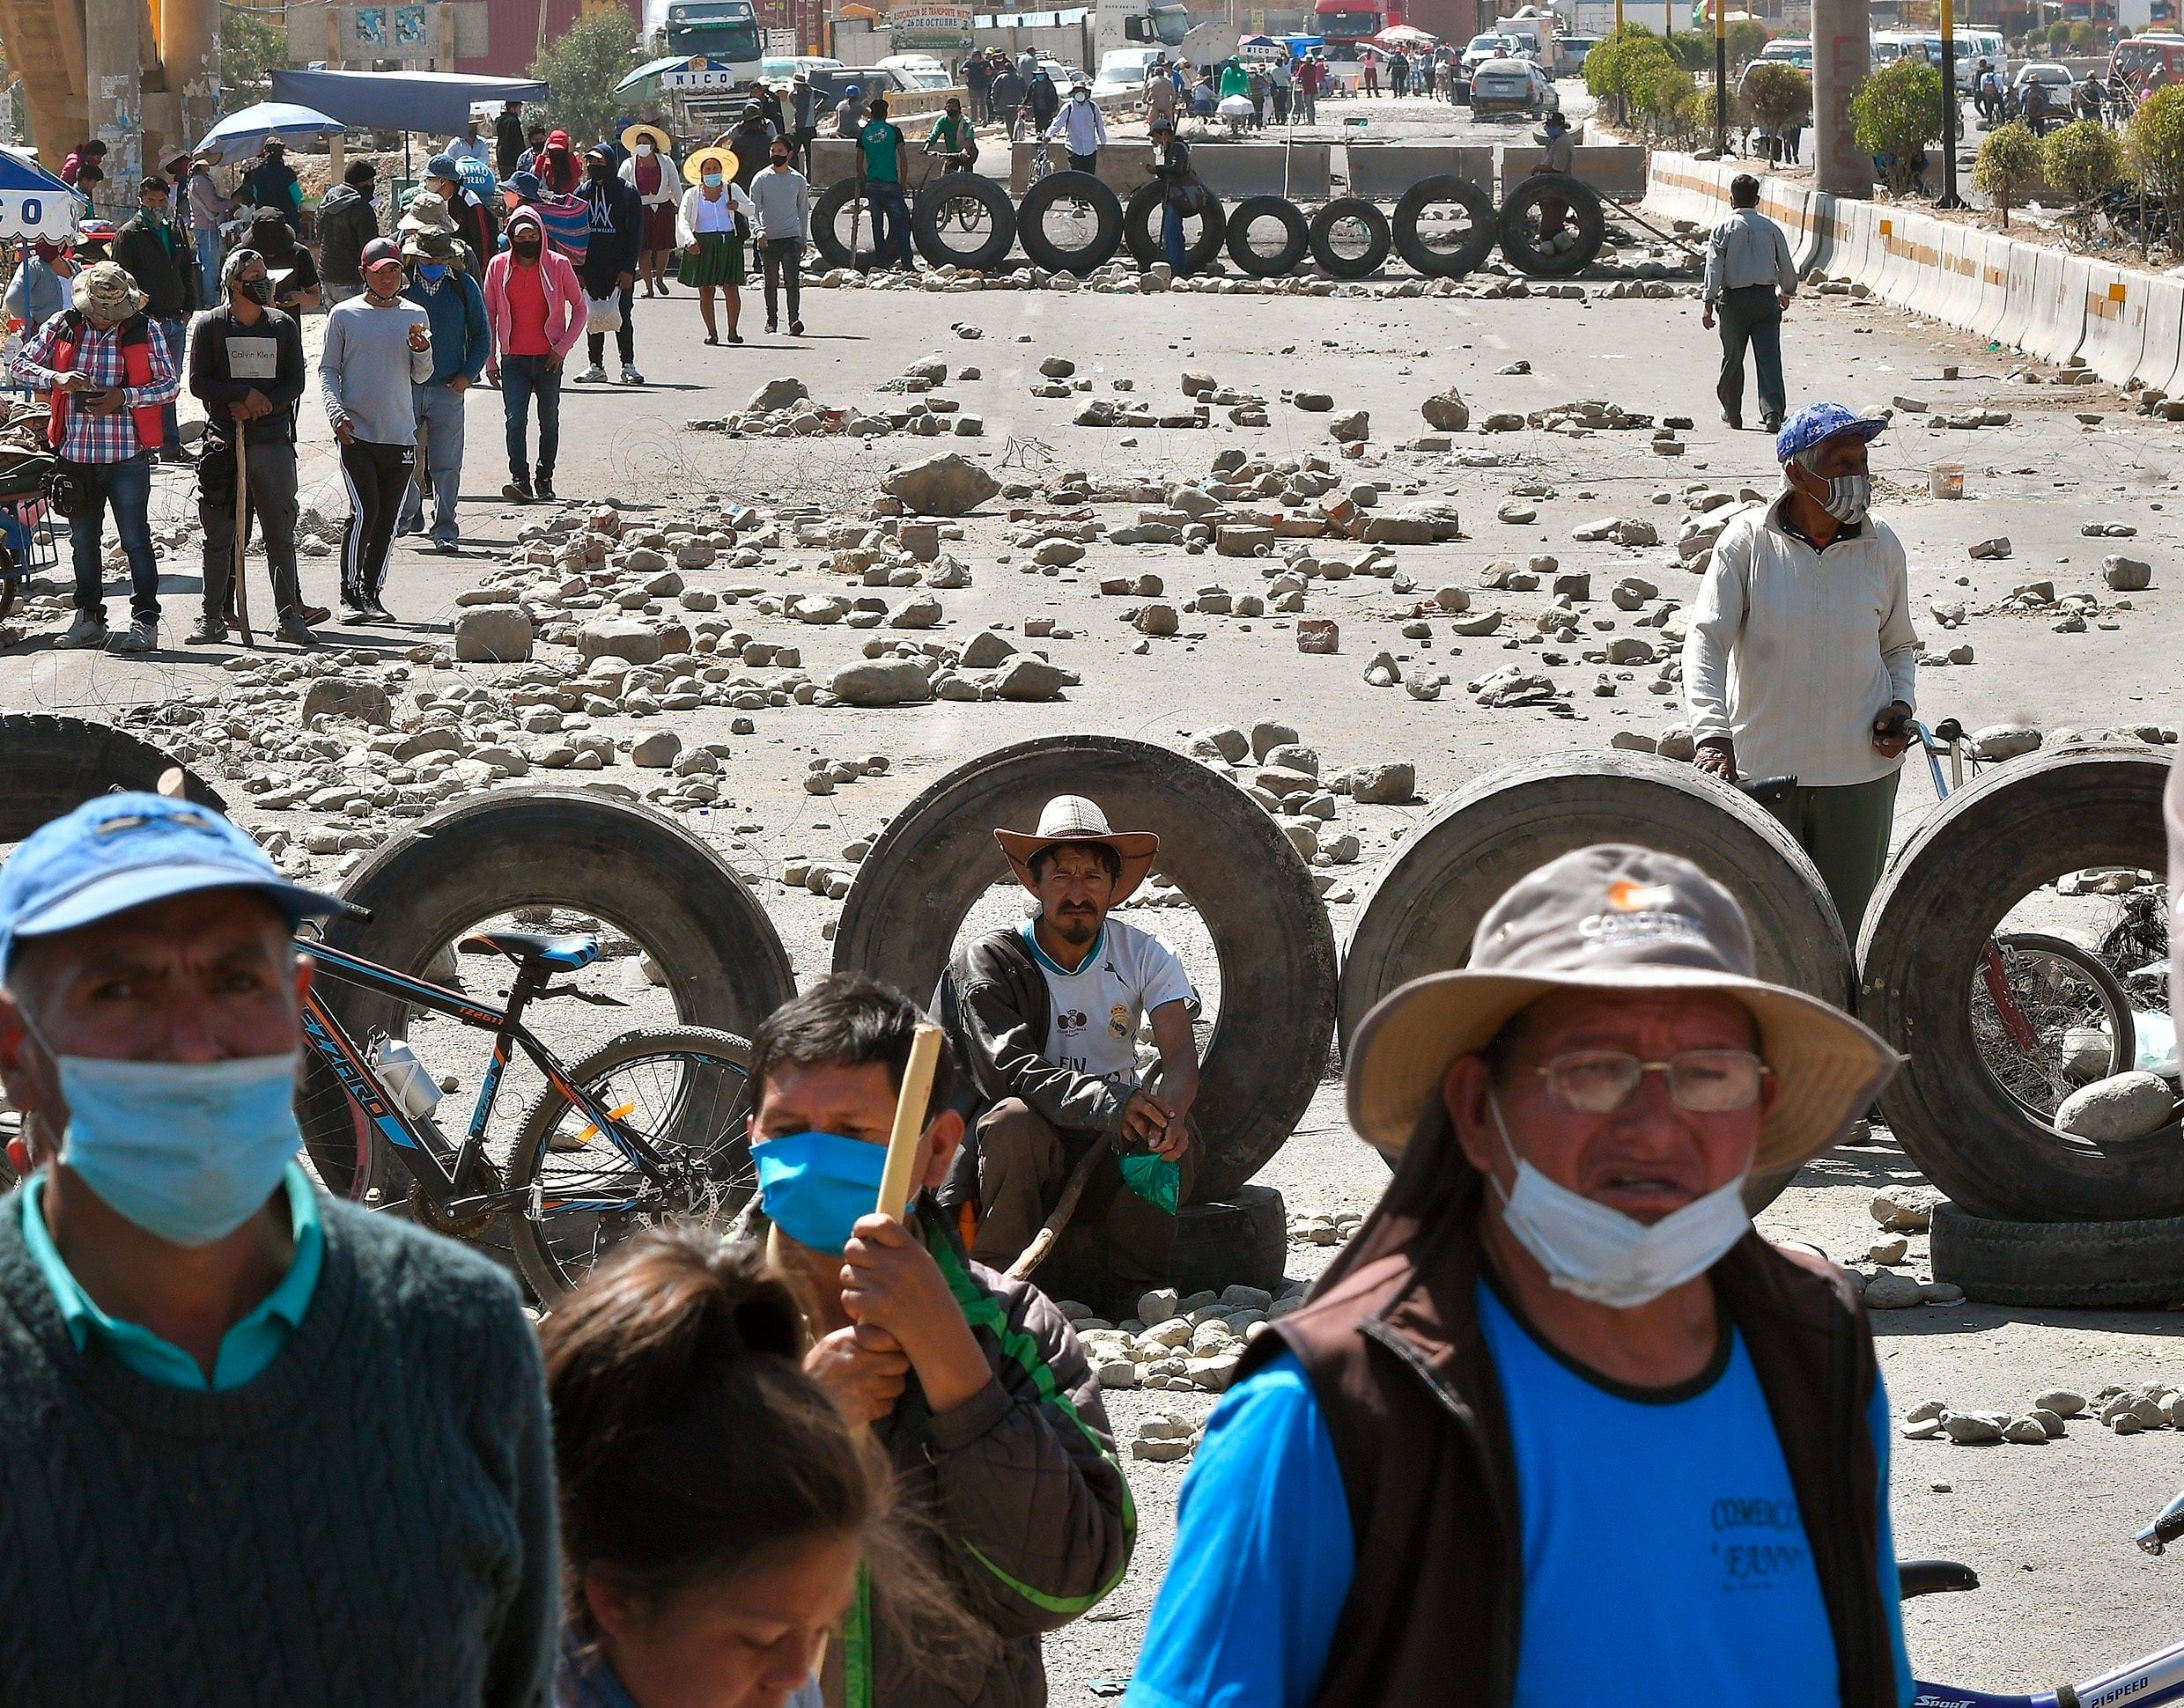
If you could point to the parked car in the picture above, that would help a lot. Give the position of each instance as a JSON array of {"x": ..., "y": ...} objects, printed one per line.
[
  {"x": 872, "y": 79},
  {"x": 1484, "y": 47},
  {"x": 1122, "y": 70},
  {"x": 918, "y": 71},
  {"x": 1788, "y": 50},
  {"x": 1512, "y": 85}
]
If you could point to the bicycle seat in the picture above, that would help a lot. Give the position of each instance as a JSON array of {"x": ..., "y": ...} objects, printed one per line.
[
  {"x": 1931, "y": 1577},
  {"x": 534, "y": 948}
]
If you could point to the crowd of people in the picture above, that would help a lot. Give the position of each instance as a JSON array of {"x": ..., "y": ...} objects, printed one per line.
[
  {"x": 482, "y": 278},
  {"x": 280, "y": 1449}
]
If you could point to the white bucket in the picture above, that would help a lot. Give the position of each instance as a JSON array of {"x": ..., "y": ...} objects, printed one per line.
[{"x": 1946, "y": 480}]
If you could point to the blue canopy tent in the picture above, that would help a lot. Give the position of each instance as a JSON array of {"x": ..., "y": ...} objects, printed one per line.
[
  {"x": 434, "y": 102},
  {"x": 240, "y": 135},
  {"x": 33, "y": 203}
]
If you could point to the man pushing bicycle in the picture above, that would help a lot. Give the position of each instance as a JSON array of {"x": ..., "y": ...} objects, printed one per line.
[{"x": 1559, "y": 1427}]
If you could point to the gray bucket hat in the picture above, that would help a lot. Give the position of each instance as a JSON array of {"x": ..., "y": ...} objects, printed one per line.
[{"x": 1620, "y": 919}]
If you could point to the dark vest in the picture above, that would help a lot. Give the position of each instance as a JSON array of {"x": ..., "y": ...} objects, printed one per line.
[{"x": 1403, "y": 1376}]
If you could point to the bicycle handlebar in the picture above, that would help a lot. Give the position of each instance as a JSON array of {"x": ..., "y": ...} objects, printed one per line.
[{"x": 2168, "y": 1527}]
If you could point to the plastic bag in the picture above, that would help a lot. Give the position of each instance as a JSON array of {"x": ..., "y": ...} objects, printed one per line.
[
  {"x": 603, "y": 314},
  {"x": 2156, "y": 1042},
  {"x": 1154, "y": 1178}
]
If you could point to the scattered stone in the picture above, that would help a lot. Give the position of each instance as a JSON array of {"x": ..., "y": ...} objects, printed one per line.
[
  {"x": 945, "y": 485},
  {"x": 1353, "y": 429},
  {"x": 891, "y": 682},
  {"x": 2027, "y": 1431},
  {"x": 493, "y": 633},
  {"x": 345, "y": 696},
  {"x": 1390, "y": 784},
  {"x": 1028, "y": 677},
  {"x": 1890, "y": 1291},
  {"x": 1905, "y": 1209},
  {"x": 2127, "y": 574},
  {"x": 1975, "y": 1428},
  {"x": 2064, "y": 1402},
  {"x": 656, "y": 751},
  {"x": 1446, "y": 411},
  {"x": 1998, "y": 547},
  {"x": 2125, "y": 1106},
  {"x": 2005, "y": 740},
  {"x": 1319, "y": 635}
]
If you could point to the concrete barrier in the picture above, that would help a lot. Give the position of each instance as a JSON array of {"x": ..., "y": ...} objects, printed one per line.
[
  {"x": 1123, "y": 166},
  {"x": 1299, "y": 170},
  {"x": 2018, "y": 301},
  {"x": 2058, "y": 323},
  {"x": 1992, "y": 301},
  {"x": 2161, "y": 360},
  {"x": 1925, "y": 283},
  {"x": 1888, "y": 277},
  {"x": 1617, "y": 173},
  {"x": 1826, "y": 235},
  {"x": 1964, "y": 251},
  {"x": 1790, "y": 207},
  {"x": 2115, "y": 322},
  {"x": 1381, "y": 171},
  {"x": 1857, "y": 225}
]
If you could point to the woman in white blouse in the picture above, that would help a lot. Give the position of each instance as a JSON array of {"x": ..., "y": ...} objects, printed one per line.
[{"x": 713, "y": 226}]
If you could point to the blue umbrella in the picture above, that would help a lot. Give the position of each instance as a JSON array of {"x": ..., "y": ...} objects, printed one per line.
[
  {"x": 245, "y": 133},
  {"x": 33, "y": 203}
]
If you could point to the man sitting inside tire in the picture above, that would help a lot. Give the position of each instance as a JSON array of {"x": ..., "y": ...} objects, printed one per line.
[{"x": 1045, "y": 1014}]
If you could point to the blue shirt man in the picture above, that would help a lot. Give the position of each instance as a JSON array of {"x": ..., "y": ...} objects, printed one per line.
[{"x": 462, "y": 341}]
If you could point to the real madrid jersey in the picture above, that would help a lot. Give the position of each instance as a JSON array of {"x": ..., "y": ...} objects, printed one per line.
[{"x": 1092, "y": 1014}]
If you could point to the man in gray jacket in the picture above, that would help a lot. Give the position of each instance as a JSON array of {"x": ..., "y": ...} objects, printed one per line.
[
  {"x": 1750, "y": 279},
  {"x": 1046, "y": 1015},
  {"x": 378, "y": 347},
  {"x": 782, "y": 199}
]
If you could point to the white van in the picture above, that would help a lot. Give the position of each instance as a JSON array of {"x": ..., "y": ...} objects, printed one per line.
[
  {"x": 918, "y": 71},
  {"x": 1122, "y": 70}
]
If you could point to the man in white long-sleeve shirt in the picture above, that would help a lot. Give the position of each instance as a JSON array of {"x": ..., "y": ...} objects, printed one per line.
[
  {"x": 1800, "y": 657},
  {"x": 1750, "y": 279},
  {"x": 1082, "y": 128}
]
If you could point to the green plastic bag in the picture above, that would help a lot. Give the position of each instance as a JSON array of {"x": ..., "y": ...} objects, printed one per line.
[{"x": 1154, "y": 1178}]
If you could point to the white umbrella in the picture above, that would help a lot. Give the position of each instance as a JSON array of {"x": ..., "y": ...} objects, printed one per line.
[
  {"x": 1403, "y": 35},
  {"x": 243, "y": 134}
]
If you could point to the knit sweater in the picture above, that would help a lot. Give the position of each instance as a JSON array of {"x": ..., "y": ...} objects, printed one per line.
[{"x": 370, "y": 1520}]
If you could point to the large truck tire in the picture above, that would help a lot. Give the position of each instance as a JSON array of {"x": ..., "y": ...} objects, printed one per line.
[
  {"x": 829, "y": 215},
  {"x": 1588, "y": 221},
  {"x": 1988, "y": 846},
  {"x": 2066, "y": 1265},
  {"x": 50, "y": 765},
  {"x": 1420, "y": 912},
  {"x": 1268, "y": 1050},
  {"x": 1342, "y": 263},
  {"x": 1202, "y": 232},
  {"x": 1038, "y": 202},
  {"x": 1430, "y": 252},
  {"x": 628, "y": 864},
  {"x": 1243, "y": 1242},
  {"x": 1294, "y": 236},
  {"x": 939, "y": 243}
]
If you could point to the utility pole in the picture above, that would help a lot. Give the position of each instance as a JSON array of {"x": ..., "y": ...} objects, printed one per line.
[
  {"x": 1949, "y": 110},
  {"x": 1721, "y": 75},
  {"x": 1843, "y": 57}
]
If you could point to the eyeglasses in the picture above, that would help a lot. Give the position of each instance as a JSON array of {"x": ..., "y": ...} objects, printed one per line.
[{"x": 1700, "y": 1081}]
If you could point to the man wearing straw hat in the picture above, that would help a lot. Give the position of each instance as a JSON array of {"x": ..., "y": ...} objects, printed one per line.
[
  {"x": 1559, "y": 1425},
  {"x": 974, "y": 1386},
  {"x": 1046, "y": 1015},
  {"x": 462, "y": 343}
]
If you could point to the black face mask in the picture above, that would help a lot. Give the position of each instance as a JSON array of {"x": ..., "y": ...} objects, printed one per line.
[
  {"x": 260, "y": 290},
  {"x": 781, "y": 159},
  {"x": 528, "y": 251},
  {"x": 596, "y": 172}
]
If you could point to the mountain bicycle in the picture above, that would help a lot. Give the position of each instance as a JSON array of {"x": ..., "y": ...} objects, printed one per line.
[
  {"x": 2151, "y": 1679},
  {"x": 648, "y": 1130},
  {"x": 2040, "y": 1003}
]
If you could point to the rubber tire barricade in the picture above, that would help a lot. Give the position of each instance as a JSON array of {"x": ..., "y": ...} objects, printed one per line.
[
  {"x": 1203, "y": 233},
  {"x": 1420, "y": 255},
  {"x": 51, "y": 765},
  {"x": 1347, "y": 209},
  {"x": 583, "y": 850},
  {"x": 826, "y": 236},
  {"x": 2064, "y": 1264},
  {"x": 1586, "y": 213},
  {"x": 1991, "y": 842},
  {"x": 1420, "y": 912},
  {"x": 1039, "y": 201},
  {"x": 1254, "y": 211},
  {"x": 1268, "y": 1050},
  {"x": 932, "y": 242}
]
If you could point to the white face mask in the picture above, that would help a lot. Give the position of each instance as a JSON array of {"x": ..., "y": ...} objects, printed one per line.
[
  {"x": 645, "y": 151},
  {"x": 1600, "y": 1253}
]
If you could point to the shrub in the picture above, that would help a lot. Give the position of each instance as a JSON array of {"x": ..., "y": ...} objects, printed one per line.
[
  {"x": 2083, "y": 160},
  {"x": 2058, "y": 36},
  {"x": 2154, "y": 145},
  {"x": 2081, "y": 35},
  {"x": 1779, "y": 96},
  {"x": 583, "y": 66},
  {"x": 1746, "y": 37},
  {"x": 1607, "y": 66},
  {"x": 1661, "y": 89},
  {"x": 2008, "y": 167},
  {"x": 1895, "y": 113}
]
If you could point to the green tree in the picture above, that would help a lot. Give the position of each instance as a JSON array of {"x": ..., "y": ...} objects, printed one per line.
[
  {"x": 1895, "y": 113},
  {"x": 581, "y": 71},
  {"x": 2008, "y": 167},
  {"x": 1779, "y": 96},
  {"x": 2082, "y": 35},
  {"x": 251, "y": 45},
  {"x": 1607, "y": 66},
  {"x": 1746, "y": 37},
  {"x": 2083, "y": 160},
  {"x": 1690, "y": 50},
  {"x": 2058, "y": 36},
  {"x": 1661, "y": 89},
  {"x": 2154, "y": 147}
]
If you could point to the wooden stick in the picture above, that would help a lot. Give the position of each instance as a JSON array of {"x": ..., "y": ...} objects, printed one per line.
[
  {"x": 909, "y": 1119},
  {"x": 1043, "y": 1241},
  {"x": 242, "y": 495}
]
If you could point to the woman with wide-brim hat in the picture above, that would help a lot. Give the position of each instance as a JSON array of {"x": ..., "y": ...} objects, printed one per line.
[
  {"x": 651, "y": 171},
  {"x": 712, "y": 228}
]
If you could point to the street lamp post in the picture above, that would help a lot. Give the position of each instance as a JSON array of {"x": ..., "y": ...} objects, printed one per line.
[
  {"x": 1721, "y": 75},
  {"x": 1949, "y": 110}
]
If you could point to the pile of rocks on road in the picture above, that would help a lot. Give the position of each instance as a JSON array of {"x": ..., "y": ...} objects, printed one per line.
[{"x": 2132, "y": 1411}]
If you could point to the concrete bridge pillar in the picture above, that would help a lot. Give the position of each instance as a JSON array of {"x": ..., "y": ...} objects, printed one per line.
[{"x": 1842, "y": 56}]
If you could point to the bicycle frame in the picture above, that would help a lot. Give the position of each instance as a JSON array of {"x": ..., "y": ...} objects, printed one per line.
[
  {"x": 2151, "y": 1679},
  {"x": 443, "y": 1169}
]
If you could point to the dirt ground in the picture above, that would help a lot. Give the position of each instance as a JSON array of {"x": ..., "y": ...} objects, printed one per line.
[{"x": 2049, "y": 1528}]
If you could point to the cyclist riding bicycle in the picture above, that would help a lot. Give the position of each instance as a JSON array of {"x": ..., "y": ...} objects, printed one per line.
[{"x": 953, "y": 140}]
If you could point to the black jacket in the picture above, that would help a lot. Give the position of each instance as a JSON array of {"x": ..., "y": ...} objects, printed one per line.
[
  {"x": 212, "y": 380},
  {"x": 165, "y": 272},
  {"x": 749, "y": 142},
  {"x": 508, "y": 144},
  {"x": 347, "y": 222},
  {"x": 1043, "y": 99},
  {"x": 618, "y": 223}
]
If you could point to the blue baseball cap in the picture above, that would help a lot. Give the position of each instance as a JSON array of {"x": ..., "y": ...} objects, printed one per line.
[
  {"x": 525, "y": 184},
  {"x": 442, "y": 166},
  {"x": 120, "y": 851},
  {"x": 1822, "y": 421}
]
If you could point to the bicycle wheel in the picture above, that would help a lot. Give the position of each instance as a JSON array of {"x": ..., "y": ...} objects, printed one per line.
[
  {"x": 2048, "y": 1017},
  {"x": 685, "y": 1089}
]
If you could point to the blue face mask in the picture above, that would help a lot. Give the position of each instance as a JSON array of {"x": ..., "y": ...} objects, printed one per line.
[
  {"x": 432, "y": 271},
  {"x": 189, "y": 1151},
  {"x": 814, "y": 1186}
]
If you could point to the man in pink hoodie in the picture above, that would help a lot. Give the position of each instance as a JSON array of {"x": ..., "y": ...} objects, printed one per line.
[{"x": 537, "y": 310}]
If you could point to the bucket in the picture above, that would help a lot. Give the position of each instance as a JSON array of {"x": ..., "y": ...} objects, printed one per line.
[{"x": 1946, "y": 480}]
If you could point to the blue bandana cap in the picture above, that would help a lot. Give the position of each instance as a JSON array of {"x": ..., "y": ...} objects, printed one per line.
[{"x": 1822, "y": 421}]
